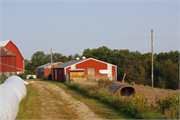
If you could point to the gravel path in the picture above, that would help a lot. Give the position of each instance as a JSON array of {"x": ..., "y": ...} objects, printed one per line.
[{"x": 52, "y": 107}]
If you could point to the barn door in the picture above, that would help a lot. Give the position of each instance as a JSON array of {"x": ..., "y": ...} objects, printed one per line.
[
  {"x": 77, "y": 74},
  {"x": 91, "y": 74}
]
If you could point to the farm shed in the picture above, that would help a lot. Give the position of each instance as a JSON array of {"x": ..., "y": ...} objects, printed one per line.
[
  {"x": 44, "y": 70},
  {"x": 11, "y": 60},
  {"x": 89, "y": 69}
]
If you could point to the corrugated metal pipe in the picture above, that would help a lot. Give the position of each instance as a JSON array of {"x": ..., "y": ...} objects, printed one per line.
[
  {"x": 123, "y": 89},
  {"x": 12, "y": 91}
]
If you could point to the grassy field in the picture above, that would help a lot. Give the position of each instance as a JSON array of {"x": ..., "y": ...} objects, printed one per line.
[{"x": 30, "y": 106}]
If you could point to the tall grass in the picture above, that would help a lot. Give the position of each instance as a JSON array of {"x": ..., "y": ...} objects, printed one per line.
[
  {"x": 30, "y": 105},
  {"x": 137, "y": 106}
]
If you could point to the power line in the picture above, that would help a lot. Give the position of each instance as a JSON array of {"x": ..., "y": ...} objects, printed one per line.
[
  {"x": 118, "y": 39},
  {"x": 98, "y": 33},
  {"x": 38, "y": 50}
]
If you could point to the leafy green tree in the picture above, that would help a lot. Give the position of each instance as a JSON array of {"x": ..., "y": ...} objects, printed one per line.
[{"x": 37, "y": 59}]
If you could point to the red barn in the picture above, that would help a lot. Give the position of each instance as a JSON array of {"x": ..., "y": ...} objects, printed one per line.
[
  {"x": 44, "y": 70},
  {"x": 84, "y": 69},
  {"x": 11, "y": 60}
]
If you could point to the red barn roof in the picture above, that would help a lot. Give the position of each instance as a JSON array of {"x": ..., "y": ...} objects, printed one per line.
[{"x": 5, "y": 43}]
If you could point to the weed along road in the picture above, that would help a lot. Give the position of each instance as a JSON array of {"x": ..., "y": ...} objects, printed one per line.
[{"x": 48, "y": 100}]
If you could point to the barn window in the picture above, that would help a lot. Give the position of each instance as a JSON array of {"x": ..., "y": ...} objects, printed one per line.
[{"x": 59, "y": 72}]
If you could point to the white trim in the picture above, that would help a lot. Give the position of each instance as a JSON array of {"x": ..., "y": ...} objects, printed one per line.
[
  {"x": 55, "y": 74},
  {"x": 109, "y": 67},
  {"x": 76, "y": 69},
  {"x": 88, "y": 59},
  {"x": 73, "y": 66},
  {"x": 104, "y": 71}
]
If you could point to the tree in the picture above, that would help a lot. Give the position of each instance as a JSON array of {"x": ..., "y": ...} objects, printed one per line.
[{"x": 37, "y": 59}]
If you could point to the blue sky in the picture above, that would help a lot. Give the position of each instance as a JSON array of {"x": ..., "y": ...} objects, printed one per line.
[{"x": 69, "y": 27}]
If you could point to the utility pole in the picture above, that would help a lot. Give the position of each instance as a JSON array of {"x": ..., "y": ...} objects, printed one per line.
[
  {"x": 152, "y": 55},
  {"x": 51, "y": 59}
]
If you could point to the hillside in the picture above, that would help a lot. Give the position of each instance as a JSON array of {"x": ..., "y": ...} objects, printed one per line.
[{"x": 149, "y": 93}]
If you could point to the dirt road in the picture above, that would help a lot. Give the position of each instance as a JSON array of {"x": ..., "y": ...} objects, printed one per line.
[{"x": 57, "y": 104}]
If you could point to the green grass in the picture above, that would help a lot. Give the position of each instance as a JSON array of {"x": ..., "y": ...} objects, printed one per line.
[
  {"x": 30, "y": 105},
  {"x": 99, "y": 108}
]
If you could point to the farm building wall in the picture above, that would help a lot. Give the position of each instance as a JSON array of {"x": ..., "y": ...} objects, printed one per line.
[
  {"x": 44, "y": 72},
  {"x": 40, "y": 72},
  {"x": 114, "y": 77},
  {"x": 87, "y": 70},
  {"x": 47, "y": 72},
  {"x": 19, "y": 59},
  {"x": 93, "y": 64},
  {"x": 8, "y": 64},
  {"x": 58, "y": 74}
]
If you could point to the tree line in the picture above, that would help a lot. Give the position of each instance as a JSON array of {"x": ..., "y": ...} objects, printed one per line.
[{"x": 137, "y": 66}]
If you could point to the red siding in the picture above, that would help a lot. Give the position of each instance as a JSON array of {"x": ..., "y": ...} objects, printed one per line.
[
  {"x": 19, "y": 59},
  {"x": 60, "y": 77},
  {"x": 47, "y": 72},
  {"x": 97, "y": 65},
  {"x": 113, "y": 73},
  {"x": 90, "y": 63},
  {"x": 8, "y": 64},
  {"x": 67, "y": 70}
]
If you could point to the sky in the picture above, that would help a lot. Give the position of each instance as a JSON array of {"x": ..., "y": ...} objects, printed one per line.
[{"x": 71, "y": 26}]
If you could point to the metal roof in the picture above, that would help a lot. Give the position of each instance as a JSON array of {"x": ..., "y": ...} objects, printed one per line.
[
  {"x": 4, "y": 52},
  {"x": 48, "y": 64},
  {"x": 3, "y": 43},
  {"x": 67, "y": 64}
]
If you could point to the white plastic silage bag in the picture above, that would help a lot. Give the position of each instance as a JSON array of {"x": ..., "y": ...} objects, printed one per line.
[{"x": 12, "y": 91}]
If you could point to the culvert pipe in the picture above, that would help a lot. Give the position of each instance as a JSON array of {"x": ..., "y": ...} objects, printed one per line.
[
  {"x": 12, "y": 91},
  {"x": 123, "y": 89}
]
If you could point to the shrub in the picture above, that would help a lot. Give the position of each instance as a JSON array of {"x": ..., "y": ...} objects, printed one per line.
[
  {"x": 22, "y": 75},
  {"x": 104, "y": 82},
  {"x": 172, "y": 112},
  {"x": 137, "y": 106},
  {"x": 49, "y": 77},
  {"x": 67, "y": 83},
  {"x": 167, "y": 103},
  {"x": 101, "y": 83}
]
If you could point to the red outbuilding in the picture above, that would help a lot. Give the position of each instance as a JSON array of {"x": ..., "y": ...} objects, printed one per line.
[
  {"x": 89, "y": 69},
  {"x": 44, "y": 70},
  {"x": 11, "y": 60}
]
